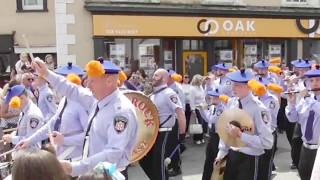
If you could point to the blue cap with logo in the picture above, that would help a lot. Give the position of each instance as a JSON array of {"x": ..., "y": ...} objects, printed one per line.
[
  {"x": 109, "y": 66},
  {"x": 214, "y": 92},
  {"x": 303, "y": 64},
  {"x": 314, "y": 72},
  {"x": 241, "y": 76},
  {"x": 70, "y": 68},
  {"x": 16, "y": 90},
  {"x": 262, "y": 64}
]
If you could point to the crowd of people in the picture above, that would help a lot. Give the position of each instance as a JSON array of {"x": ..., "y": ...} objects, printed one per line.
[{"x": 91, "y": 126}]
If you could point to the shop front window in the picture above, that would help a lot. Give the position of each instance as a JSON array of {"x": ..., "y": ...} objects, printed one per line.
[
  {"x": 132, "y": 54},
  {"x": 223, "y": 51}
]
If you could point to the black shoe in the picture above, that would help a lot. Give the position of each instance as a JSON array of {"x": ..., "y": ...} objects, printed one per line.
[
  {"x": 293, "y": 166},
  {"x": 173, "y": 173}
]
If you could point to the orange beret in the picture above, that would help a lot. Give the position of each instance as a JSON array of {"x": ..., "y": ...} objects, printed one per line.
[
  {"x": 74, "y": 78},
  {"x": 95, "y": 69},
  {"x": 275, "y": 88},
  {"x": 15, "y": 102},
  {"x": 258, "y": 88}
]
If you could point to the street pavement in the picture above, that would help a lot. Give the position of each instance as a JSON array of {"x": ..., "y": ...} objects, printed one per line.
[{"x": 193, "y": 160}]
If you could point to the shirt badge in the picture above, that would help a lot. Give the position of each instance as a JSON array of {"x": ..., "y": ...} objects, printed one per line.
[
  {"x": 34, "y": 123},
  {"x": 120, "y": 123}
]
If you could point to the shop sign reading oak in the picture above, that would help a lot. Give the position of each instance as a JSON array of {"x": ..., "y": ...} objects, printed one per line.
[
  {"x": 176, "y": 26},
  {"x": 211, "y": 26}
]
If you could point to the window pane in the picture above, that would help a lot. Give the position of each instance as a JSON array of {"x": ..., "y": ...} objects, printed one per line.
[
  {"x": 33, "y": 2},
  {"x": 186, "y": 44},
  {"x": 194, "y": 45}
]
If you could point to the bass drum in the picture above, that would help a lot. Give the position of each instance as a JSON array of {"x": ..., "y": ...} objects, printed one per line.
[{"x": 148, "y": 122}]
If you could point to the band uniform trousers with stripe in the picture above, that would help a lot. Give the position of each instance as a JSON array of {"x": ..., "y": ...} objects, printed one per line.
[
  {"x": 211, "y": 154},
  {"x": 266, "y": 161},
  {"x": 241, "y": 166},
  {"x": 306, "y": 162},
  {"x": 174, "y": 147},
  {"x": 153, "y": 163}
]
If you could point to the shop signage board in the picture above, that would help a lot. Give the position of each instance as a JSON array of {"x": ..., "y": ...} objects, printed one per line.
[{"x": 176, "y": 26}]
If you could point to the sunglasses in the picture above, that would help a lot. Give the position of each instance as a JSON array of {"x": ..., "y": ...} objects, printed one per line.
[
  {"x": 30, "y": 79},
  {"x": 187, "y": 77}
]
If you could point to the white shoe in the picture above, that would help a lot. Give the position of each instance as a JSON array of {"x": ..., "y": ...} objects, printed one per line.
[
  {"x": 203, "y": 141},
  {"x": 187, "y": 135},
  {"x": 198, "y": 142}
]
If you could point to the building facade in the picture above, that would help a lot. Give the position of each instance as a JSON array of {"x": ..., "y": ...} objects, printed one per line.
[
  {"x": 186, "y": 35},
  {"x": 32, "y": 19},
  {"x": 190, "y": 36}
]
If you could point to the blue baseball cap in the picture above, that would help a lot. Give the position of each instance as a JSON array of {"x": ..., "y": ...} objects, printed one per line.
[
  {"x": 214, "y": 92},
  {"x": 222, "y": 66},
  {"x": 70, "y": 68},
  {"x": 16, "y": 90},
  {"x": 263, "y": 64},
  {"x": 109, "y": 66},
  {"x": 313, "y": 73},
  {"x": 303, "y": 64},
  {"x": 242, "y": 76}
]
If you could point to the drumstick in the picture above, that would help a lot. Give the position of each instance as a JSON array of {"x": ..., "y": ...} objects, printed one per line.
[
  {"x": 28, "y": 46},
  {"x": 8, "y": 152},
  {"x": 9, "y": 130}
]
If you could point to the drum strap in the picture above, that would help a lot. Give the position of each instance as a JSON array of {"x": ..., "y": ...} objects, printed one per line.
[
  {"x": 156, "y": 92},
  {"x": 168, "y": 118}
]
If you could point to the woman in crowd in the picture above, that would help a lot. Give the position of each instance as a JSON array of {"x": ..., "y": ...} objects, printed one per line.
[
  {"x": 189, "y": 99},
  {"x": 199, "y": 100}
]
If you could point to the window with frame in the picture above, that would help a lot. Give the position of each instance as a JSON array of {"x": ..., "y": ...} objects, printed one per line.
[
  {"x": 298, "y": 2},
  {"x": 32, "y": 5}
]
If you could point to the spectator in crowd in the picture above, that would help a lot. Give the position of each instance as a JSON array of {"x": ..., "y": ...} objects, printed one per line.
[
  {"x": 35, "y": 164},
  {"x": 199, "y": 100},
  {"x": 188, "y": 92},
  {"x": 24, "y": 60},
  {"x": 49, "y": 62}
]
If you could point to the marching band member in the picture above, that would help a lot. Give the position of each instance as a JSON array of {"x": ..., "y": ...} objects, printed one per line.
[
  {"x": 45, "y": 100},
  {"x": 169, "y": 106},
  {"x": 68, "y": 124},
  {"x": 174, "y": 83},
  {"x": 31, "y": 118},
  {"x": 262, "y": 71},
  {"x": 222, "y": 82},
  {"x": 242, "y": 163},
  {"x": 306, "y": 113},
  {"x": 272, "y": 103},
  {"x": 211, "y": 116},
  {"x": 298, "y": 84},
  {"x": 108, "y": 138}
]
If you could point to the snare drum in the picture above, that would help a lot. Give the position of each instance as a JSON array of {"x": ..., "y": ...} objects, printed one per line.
[{"x": 4, "y": 170}]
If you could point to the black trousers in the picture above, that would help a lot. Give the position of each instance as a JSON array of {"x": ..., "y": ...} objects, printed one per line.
[
  {"x": 197, "y": 137},
  {"x": 296, "y": 144},
  {"x": 307, "y": 159},
  {"x": 188, "y": 115},
  {"x": 173, "y": 147},
  {"x": 153, "y": 163},
  {"x": 211, "y": 154},
  {"x": 266, "y": 161},
  {"x": 241, "y": 166}
]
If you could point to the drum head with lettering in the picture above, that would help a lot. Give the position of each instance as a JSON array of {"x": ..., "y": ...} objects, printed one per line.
[
  {"x": 239, "y": 118},
  {"x": 148, "y": 122}
]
